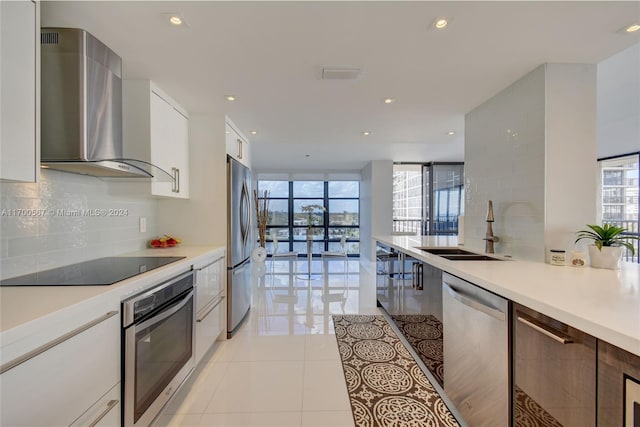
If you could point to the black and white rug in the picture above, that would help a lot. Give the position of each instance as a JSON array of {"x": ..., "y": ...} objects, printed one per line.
[
  {"x": 386, "y": 386},
  {"x": 424, "y": 333}
]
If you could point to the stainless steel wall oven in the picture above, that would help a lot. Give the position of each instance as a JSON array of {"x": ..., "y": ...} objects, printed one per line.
[{"x": 158, "y": 343}]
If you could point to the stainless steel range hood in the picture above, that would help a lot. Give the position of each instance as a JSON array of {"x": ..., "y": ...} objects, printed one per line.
[{"x": 81, "y": 107}]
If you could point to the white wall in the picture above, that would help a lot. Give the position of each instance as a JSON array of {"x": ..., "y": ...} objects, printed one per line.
[
  {"x": 40, "y": 229},
  {"x": 531, "y": 149},
  {"x": 619, "y": 103},
  {"x": 202, "y": 219},
  {"x": 571, "y": 145},
  {"x": 366, "y": 210},
  {"x": 376, "y": 204}
]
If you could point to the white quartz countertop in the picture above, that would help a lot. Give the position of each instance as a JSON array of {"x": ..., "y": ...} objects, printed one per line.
[
  {"x": 22, "y": 305},
  {"x": 603, "y": 303}
]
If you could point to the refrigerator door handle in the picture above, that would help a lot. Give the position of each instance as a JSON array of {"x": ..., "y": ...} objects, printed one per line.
[
  {"x": 239, "y": 270},
  {"x": 244, "y": 213}
]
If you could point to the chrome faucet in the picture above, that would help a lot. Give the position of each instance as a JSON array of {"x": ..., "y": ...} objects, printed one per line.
[{"x": 489, "y": 237}]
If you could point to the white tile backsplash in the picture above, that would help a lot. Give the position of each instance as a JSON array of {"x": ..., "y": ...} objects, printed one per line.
[
  {"x": 45, "y": 225},
  {"x": 531, "y": 149},
  {"x": 504, "y": 162}
]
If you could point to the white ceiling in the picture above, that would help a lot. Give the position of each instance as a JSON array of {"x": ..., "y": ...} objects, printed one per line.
[{"x": 268, "y": 55}]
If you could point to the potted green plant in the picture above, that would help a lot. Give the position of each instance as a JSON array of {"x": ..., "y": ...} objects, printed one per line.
[{"x": 608, "y": 244}]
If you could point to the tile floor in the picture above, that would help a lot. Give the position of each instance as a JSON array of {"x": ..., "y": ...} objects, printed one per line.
[{"x": 282, "y": 368}]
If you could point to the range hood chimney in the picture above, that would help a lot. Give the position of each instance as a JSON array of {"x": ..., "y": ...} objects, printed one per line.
[{"x": 81, "y": 106}]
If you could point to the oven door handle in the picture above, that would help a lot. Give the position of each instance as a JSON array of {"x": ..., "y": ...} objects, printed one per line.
[{"x": 167, "y": 312}]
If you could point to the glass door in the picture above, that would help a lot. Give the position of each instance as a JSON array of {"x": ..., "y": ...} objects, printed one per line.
[{"x": 163, "y": 346}]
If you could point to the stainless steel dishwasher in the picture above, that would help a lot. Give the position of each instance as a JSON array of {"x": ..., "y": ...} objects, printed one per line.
[{"x": 476, "y": 356}]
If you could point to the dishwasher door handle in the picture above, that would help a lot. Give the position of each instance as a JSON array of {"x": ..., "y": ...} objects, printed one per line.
[
  {"x": 476, "y": 305},
  {"x": 544, "y": 331}
]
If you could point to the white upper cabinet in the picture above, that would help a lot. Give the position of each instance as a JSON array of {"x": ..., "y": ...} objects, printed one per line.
[
  {"x": 237, "y": 144},
  {"x": 156, "y": 129},
  {"x": 19, "y": 89}
]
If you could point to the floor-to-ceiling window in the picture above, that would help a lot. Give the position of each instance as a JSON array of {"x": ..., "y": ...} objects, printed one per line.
[
  {"x": 619, "y": 190},
  {"x": 427, "y": 198},
  {"x": 324, "y": 211},
  {"x": 407, "y": 198}
]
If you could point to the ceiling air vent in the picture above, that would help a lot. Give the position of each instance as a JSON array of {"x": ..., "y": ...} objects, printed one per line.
[
  {"x": 340, "y": 73},
  {"x": 49, "y": 38}
]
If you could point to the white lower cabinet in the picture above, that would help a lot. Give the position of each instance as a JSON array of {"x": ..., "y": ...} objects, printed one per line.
[
  {"x": 209, "y": 327},
  {"x": 68, "y": 379},
  {"x": 210, "y": 303},
  {"x": 106, "y": 412}
]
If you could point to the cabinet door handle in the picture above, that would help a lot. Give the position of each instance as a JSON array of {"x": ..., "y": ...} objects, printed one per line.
[
  {"x": 544, "y": 331},
  {"x": 174, "y": 175},
  {"x": 239, "y": 148},
  {"x": 110, "y": 405},
  {"x": 178, "y": 180},
  {"x": 216, "y": 302},
  {"x": 47, "y": 346}
]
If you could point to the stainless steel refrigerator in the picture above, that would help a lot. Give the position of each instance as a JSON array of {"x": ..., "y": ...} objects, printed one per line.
[{"x": 239, "y": 244}]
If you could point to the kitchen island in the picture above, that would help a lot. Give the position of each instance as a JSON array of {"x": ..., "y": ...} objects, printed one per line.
[{"x": 603, "y": 303}]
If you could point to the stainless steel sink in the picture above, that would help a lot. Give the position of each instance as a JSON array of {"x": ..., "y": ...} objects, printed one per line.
[
  {"x": 470, "y": 257},
  {"x": 445, "y": 251},
  {"x": 457, "y": 254}
]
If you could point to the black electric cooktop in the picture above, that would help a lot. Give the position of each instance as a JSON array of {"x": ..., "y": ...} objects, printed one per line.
[{"x": 97, "y": 272}]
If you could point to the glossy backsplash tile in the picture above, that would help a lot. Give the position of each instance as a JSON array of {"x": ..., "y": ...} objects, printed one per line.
[
  {"x": 67, "y": 218},
  {"x": 504, "y": 162}
]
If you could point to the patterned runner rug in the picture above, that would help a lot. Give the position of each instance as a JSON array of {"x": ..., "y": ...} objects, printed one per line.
[
  {"x": 386, "y": 387},
  {"x": 424, "y": 333}
]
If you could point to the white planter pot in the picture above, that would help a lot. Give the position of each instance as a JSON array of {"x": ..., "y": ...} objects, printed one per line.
[
  {"x": 258, "y": 257},
  {"x": 609, "y": 257}
]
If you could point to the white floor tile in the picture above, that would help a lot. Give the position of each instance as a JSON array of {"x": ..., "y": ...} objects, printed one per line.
[
  {"x": 196, "y": 394},
  {"x": 282, "y": 368},
  {"x": 247, "y": 348},
  {"x": 327, "y": 419},
  {"x": 324, "y": 387},
  {"x": 254, "y": 419},
  {"x": 269, "y": 386},
  {"x": 321, "y": 347},
  {"x": 179, "y": 420}
]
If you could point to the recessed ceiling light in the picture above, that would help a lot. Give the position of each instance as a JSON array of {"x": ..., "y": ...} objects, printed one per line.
[
  {"x": 632, "y": 28},
  {"x": 254, "y": 132},
  {"x": 440, "y": 23},
  {"x": 451, "y": 132},
  {"x": 231, "y": 98},
  {"x": 366, "y": 133},
  {"x": 174, "y": 19},
  {"x": 389, "y": 100}
]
